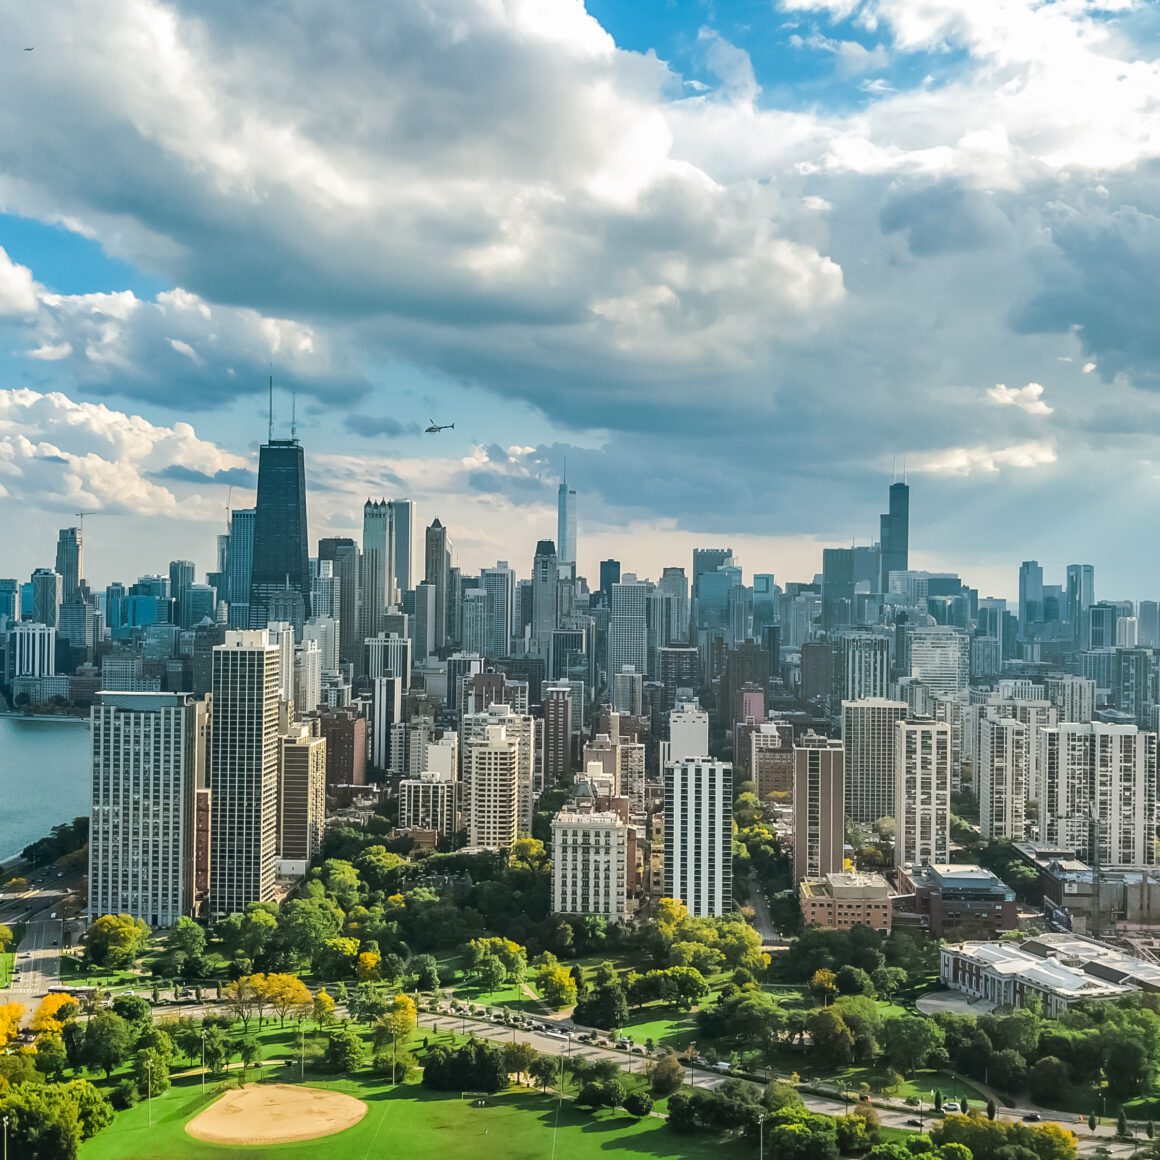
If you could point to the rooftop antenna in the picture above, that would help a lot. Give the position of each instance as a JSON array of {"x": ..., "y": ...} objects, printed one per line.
[
  {"x": 229, "y": 502},
  {"x": 894, "y": 469},
  {"x": 270, "y": 425},
  {"x": 904, "y": 469},
  {"x": 294, "y": 414}
]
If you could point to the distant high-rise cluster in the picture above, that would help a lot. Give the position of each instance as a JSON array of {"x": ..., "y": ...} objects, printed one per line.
[{"x": 234, "y": 710}]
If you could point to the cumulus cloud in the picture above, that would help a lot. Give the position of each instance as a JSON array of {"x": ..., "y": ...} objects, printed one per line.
[
  {"x": 988, "y": 460},
  {"x": 1028, "y": 398},
  {"x": 62, "y": 455}
]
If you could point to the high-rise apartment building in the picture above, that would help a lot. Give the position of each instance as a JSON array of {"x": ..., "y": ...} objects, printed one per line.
[
  {"x": 429, "y": 802},
  {"x": 698, "y": 855},
  {"x": 1099, "y": 792},
  {"x": 688, "y": 732},
  {"x": 243, "y": 771},
  {"x": 476, "y": 621},
  {"x": 1074, "y": 697},
  {"x": 940, "y": 658},
  {"x": 819, "y": 816},
  {"x": 388, "y": 655},
  {"x": 864, "y": 659},
  {"x": 1030, "y": 597},
  {"x": 556, "y": 704},
  {"x": 520, "y": 730},
  {"x": 609, "y": 575},
  {"x": 1003, "y": 777},
  {"x": 148, "y": 760},
  {"x": 590, "y": 864},
  {"x": 491, "y": 788},
  {"x": 280, "y": 573},
  {"x": 678, "y": 668},
  {"x": 301, "y": 800},
  {"x": 771, "y": 760},
  {"x": 31, "y": 650},
  {"x": 922, "y": 792},
  {"x": 628, "y": 691},
  {"x": 545, "y": 597},
  {"x": 1081, "y": 595},
  {"x": 628, "y": 627},
  {"x": 181, "y": 576},
  {"x": 47, "y": 591},
  {"x": 869, "y": 735}
]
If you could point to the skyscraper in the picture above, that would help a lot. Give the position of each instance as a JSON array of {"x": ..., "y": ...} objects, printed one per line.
[
  {"x": 869, "y": 736},
  {"x": 244, "y": 771},
  {"x": 241, "y": 565},
  {"x": 894, "y": 535},
  {"x": 609, "y": 575},
  {"x": 47, "y": 589},
  {"x": 401, "y": 511},
  {"x": 837, "y": 587},
  {"x": 556, "y": 705},
  {"x": 628, "y": 627},
  {"x": 181, "y": 573},
  {"x": 1030, "y": 597},
  {"x": 819, "y": 815},
  {"x": 438, "y": 564},
  {"x": 1081, "y": 595},
  {"x": 1004, "y": 777},
  {"x": 864, "y": 664},
  {"x": 500, "y": 585},
  {"x": 922, "y": 792},
  {"x": 377, "y": 566},
  {"x": 545, "y": 596},
  {"x": 70, "y": 561},
  {"x": 491, "y": 775},
  {"x": 280, "y": 575},
  {"x": 344, "y": 554},
  {"x": 148, "y": 763},
  {"x": 566, "y": 523},
  {"x": 699, "y": 834}
]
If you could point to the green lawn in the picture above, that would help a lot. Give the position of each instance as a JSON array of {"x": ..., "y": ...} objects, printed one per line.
[
  {"x": 8, "y": 960},
  {"x": 414, "y": 1122}
]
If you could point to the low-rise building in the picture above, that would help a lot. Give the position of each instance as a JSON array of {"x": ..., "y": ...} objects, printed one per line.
[
  {"x": 844, "y": 900},
  {"x": 1058, "y": 969},
  {"x": 958, "y": 900}
]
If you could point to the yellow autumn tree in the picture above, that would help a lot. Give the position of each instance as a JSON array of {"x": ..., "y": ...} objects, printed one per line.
[
  {"x": 10, "y": 1016},
  {"x": 366, "y": 966},
  {"x": 54, "y": 1012}
]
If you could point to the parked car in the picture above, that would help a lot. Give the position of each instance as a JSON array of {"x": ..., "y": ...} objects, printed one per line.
[
  {"x": 951, "y": 1106},
  {"x": 913, "y": 1123},
  {"x": 1032, "y": 1118}
]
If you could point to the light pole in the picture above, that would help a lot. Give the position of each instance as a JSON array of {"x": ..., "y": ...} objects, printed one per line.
[
  {"x": 5, "y": 1138},
  {"x": 761, "y": 1137},
  {"x": 203, "y": 1060},
  {"x": 149, "y": 1089},
  {"x": 302, "y": 1054}
]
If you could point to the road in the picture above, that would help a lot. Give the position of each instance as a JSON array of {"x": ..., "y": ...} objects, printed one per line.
[{"x": 38, "y": 955}]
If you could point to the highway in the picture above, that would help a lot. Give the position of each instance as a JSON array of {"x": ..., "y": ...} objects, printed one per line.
[{"x": 38, "y": 956}]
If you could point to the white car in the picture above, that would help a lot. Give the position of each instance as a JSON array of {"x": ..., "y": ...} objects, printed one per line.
[{"x": 951, "y": 1106}]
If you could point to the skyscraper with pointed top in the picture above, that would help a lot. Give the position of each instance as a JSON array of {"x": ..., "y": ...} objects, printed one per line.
[
  {"x": 566, "y": 522},
  {"x": 894, "y": 534},
  {"x": 280, "y": 569}
]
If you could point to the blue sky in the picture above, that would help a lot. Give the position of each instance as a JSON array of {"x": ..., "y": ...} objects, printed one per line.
[{"x": 730, "y": 259}]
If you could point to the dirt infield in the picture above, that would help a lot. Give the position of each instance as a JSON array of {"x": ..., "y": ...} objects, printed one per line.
[{"x": 275, "y": 1113}]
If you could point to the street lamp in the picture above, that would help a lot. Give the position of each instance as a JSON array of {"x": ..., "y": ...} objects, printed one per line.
[
  {"x": 203, "y": 1059},
  {"x": 761, "y": 1137},
  {"x": 5, "y": 1138},
  {"x": 149, "y": 1089}
]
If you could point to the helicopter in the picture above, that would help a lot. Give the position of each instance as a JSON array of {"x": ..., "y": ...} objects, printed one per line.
[{"x": 435, "y": 428}]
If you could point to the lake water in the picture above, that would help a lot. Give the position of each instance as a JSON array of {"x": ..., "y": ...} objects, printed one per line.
[{"x": 45, "y": 778}]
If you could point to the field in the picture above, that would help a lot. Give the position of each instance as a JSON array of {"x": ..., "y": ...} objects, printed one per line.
[
  {"x": 8, "y": 960},
  {"x": 414, "y": 1122}
]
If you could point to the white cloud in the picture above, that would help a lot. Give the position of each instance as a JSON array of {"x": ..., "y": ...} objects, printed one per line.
[
  {"x": 1028, "y": 398},
  {"x": 17, "y": 288},
  {"x": 67, "y": 456},
  {"x": 986, "y": 460}
]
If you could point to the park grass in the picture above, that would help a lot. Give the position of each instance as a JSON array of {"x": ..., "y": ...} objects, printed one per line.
[
  {"x": 8, "y": 959},
  {"x": 412, "y": 1121}
]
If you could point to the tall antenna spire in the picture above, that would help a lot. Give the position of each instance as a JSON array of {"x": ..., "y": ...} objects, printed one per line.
[
  {"x": 294, "y": 414},
  {"x": 894, "y": 469},
  {"x": 564, "y": 476},
  {"x": 270, "y": 426},
  {"x": 904, "y": 469}
]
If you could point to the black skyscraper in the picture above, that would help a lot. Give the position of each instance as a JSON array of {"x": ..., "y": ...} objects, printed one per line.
[
  {"x": 895, "y": 534},
  {"x": 609, "y": 575},
  {"x": 280, "y": 580}
]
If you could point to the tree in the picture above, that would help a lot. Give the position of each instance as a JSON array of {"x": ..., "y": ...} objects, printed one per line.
[
  {"x": 6, "y": 938},
  {"x": 992, "y": 1110},
  {"x": 335, "y": 957},
  {"x": 824, "y": 984},
  {"x": 11, "y": 1016},
  {"x": 53, "y": 1012},
  {"x": 909, "y": 1040},
  {"x": 426, "y": 973},
  {"x": 832, "y": 1039},
  {"x": 666, "y": 1075},
  {"x": 366, "y": 966},
  {"x": 51, "y": 1057},
  {"x": 1092, "y": 1121},
  {"x": 638, "y": 1104},
  {"x": 396, "y": 1023},
  {"x": 133, "y": 1009},
  {"x": 1008, "y": 1070},
  {"x": 241, "y": 999},
  {"x": 1048, "y": 1079},
  {"x": 187, "y": 938},
  {"x": 248, "y": 1052},
  {"x": 518, "y": 1057},
  {"x": 851, "y": 980},
  {"x": 888, "y": 981},
  {"x": 557, "y": 987},
  {"x": 287, "y": 994},
  {"x": 323, "y": 1009},
  {"x": 544, "y": 1069},
  {"x": 151, "y": 1072},
  {"x": 108, "y": 1041},
  {"x": 217, "y": 1050},
  {"x": 115, "y": 940},
  {"x": 345, "y": 1050}
]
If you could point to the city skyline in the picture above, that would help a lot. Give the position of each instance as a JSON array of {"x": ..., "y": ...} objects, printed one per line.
[{"x": 900, "y": 241}]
